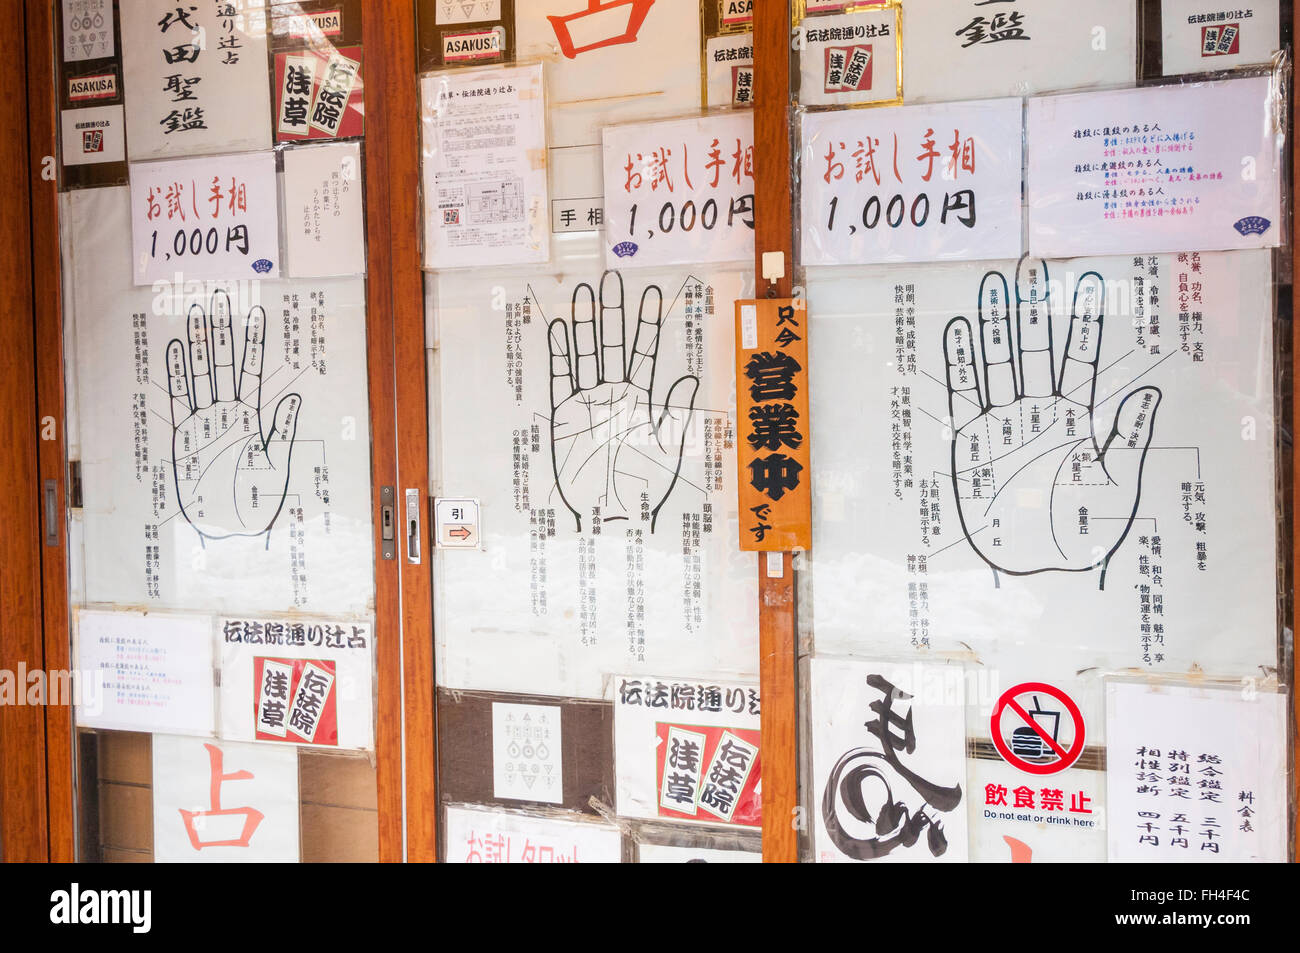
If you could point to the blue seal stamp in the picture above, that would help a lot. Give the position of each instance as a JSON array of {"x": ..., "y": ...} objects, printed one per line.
[
  {"x": 625, "y": 249},
  {"x": 1253, "y": 225},
  {"x": 261, "y": 266}
]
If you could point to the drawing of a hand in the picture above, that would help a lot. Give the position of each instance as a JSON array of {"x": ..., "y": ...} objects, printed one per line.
[
  {"x": 611, "y": 448},
  {"x": 231, "y": 469},
  {"x": 1035, "y": 489}
]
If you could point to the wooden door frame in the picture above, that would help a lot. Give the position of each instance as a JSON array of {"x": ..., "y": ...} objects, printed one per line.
[
  {"x": 777, "y": 598},
  {"x": 24, "y": 818},
  {"x": 37, "y": 822}
]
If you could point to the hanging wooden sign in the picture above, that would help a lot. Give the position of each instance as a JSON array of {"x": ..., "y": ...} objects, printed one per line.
[{"x": 773, "y": 451}]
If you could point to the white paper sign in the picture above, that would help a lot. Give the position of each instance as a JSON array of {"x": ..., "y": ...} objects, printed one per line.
[
  {"x": 484, "y": 166},
  {"x": 466, "y": 11},
  {"x": 324, "y": 225},
  {"x": 889, "y": 742},
  {"x": 1171, "y": 168},
  {"x": 1204, "y": 35},
  {"x": 478, "y": 836},
  {"x": 301, "y": 681},
  {"x": 672, "y": 854},
  {"x": 851, "y": 58},
  {"x": 196, "y": 78},
  {"x": 87, "y": 30},
  {"x": 680, "y": 191},
  {"x": 1163, "y": 360},
  {"x": 590, "y": 48},
  {"x": 151, "y": 671},
  {"x": 626, "y": 569},
  {"x": 224, "y": 802},
  {"x": 275, "y": 514},
  {"x": 729, "y": 69},
  {"x": 208, "y": 218},
  {"x": 1196, "y": 775},
  {"x": 963, "y": 49},
  {"x": 92, "y": 135},
  {"x": 527, "y": 754},
  {"x": 920, "y": 183},
  {"x": 687, "y": 750}
]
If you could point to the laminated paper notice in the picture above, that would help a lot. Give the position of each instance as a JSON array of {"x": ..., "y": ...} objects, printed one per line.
[
  {"x": 195, "y": 77},
  {"x": 1170, "y": 168},
  {"x": 485, "y": 193},
  {"x": 208, "y": 218},
  {"x": 1204, "y": 35},
  {"x": 889, "y": 740},
  {"x": 527, "y": 762},
  {"x": 1072, "y": 457},
  {"x": 324, "y": 225},
  {"x": 729, "y": 70},
  {"x": 477, "y": 836},
  {"x": 303, "y": 681},
  {"x": 921, "y": 183},
  {"x": 87, "y": 30},
  {"x": 687, "y": 750},
  {"x": 144, "y": 671},
  {"x": 223, "y": 802},
  {"x": 215, "y": 420},
  {"x": 963, "y": 49},
  {"x": 1196, "y": 775},
  {"x": 849, "y": 59},
  {"x": 775, "y": 454},
  {"x": 680, "y": 191}
]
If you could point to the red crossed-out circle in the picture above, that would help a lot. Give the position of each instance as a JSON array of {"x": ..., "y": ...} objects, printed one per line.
[{"x": 1008, "y": 704}]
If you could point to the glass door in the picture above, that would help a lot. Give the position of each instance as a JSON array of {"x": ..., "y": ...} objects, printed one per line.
[{"x": 226, "y": 530}]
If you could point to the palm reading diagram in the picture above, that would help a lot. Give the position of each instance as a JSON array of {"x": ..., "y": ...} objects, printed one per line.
[
  {"x": 1021, "y": 426},
  {"x": 615, "y": 453},
  {"x": 222, "y": 430},
  {"x": 590, "y": 417},
  {"x": 1075, "y": 455},
  {"x": 231, "y": 466}
]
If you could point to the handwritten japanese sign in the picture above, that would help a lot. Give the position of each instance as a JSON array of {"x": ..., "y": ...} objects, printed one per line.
[
  {"x": 680, "y": 191},
  {"x": 1195, "y": 775},
  {"x": 324, "y": 224},
  {"x": 898, "y": 731},
  {"x": 476, "y": 836},
  {"x": 920, "y": 183},
  {"x": 687, "y": 750},
  {"x": 222, "y": 801},
  {"x": 969, "y": 49},
  {"x": 195, "y": 77},
  {"x": 774, "y": 452},
  {"x": 1173, "y": 168},
  {"x": 207, "y": 218}
]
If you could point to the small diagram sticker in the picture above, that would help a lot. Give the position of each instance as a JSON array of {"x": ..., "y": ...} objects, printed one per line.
[{"x": 456, "y": 523}]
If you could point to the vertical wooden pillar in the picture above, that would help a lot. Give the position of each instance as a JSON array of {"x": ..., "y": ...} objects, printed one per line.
[
  {"x": 395, "y": 272},
  {"x": 23, "y": 811},
  {"x": 49, "y": 430},
  {"x": 773, "y": 232}
]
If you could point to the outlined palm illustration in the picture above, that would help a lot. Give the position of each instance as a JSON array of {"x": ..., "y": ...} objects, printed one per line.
[
  {"x": 1036, "y": 490},
  {"x": 616, "y": 454},
  {"x": 231, "y": 469}
]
